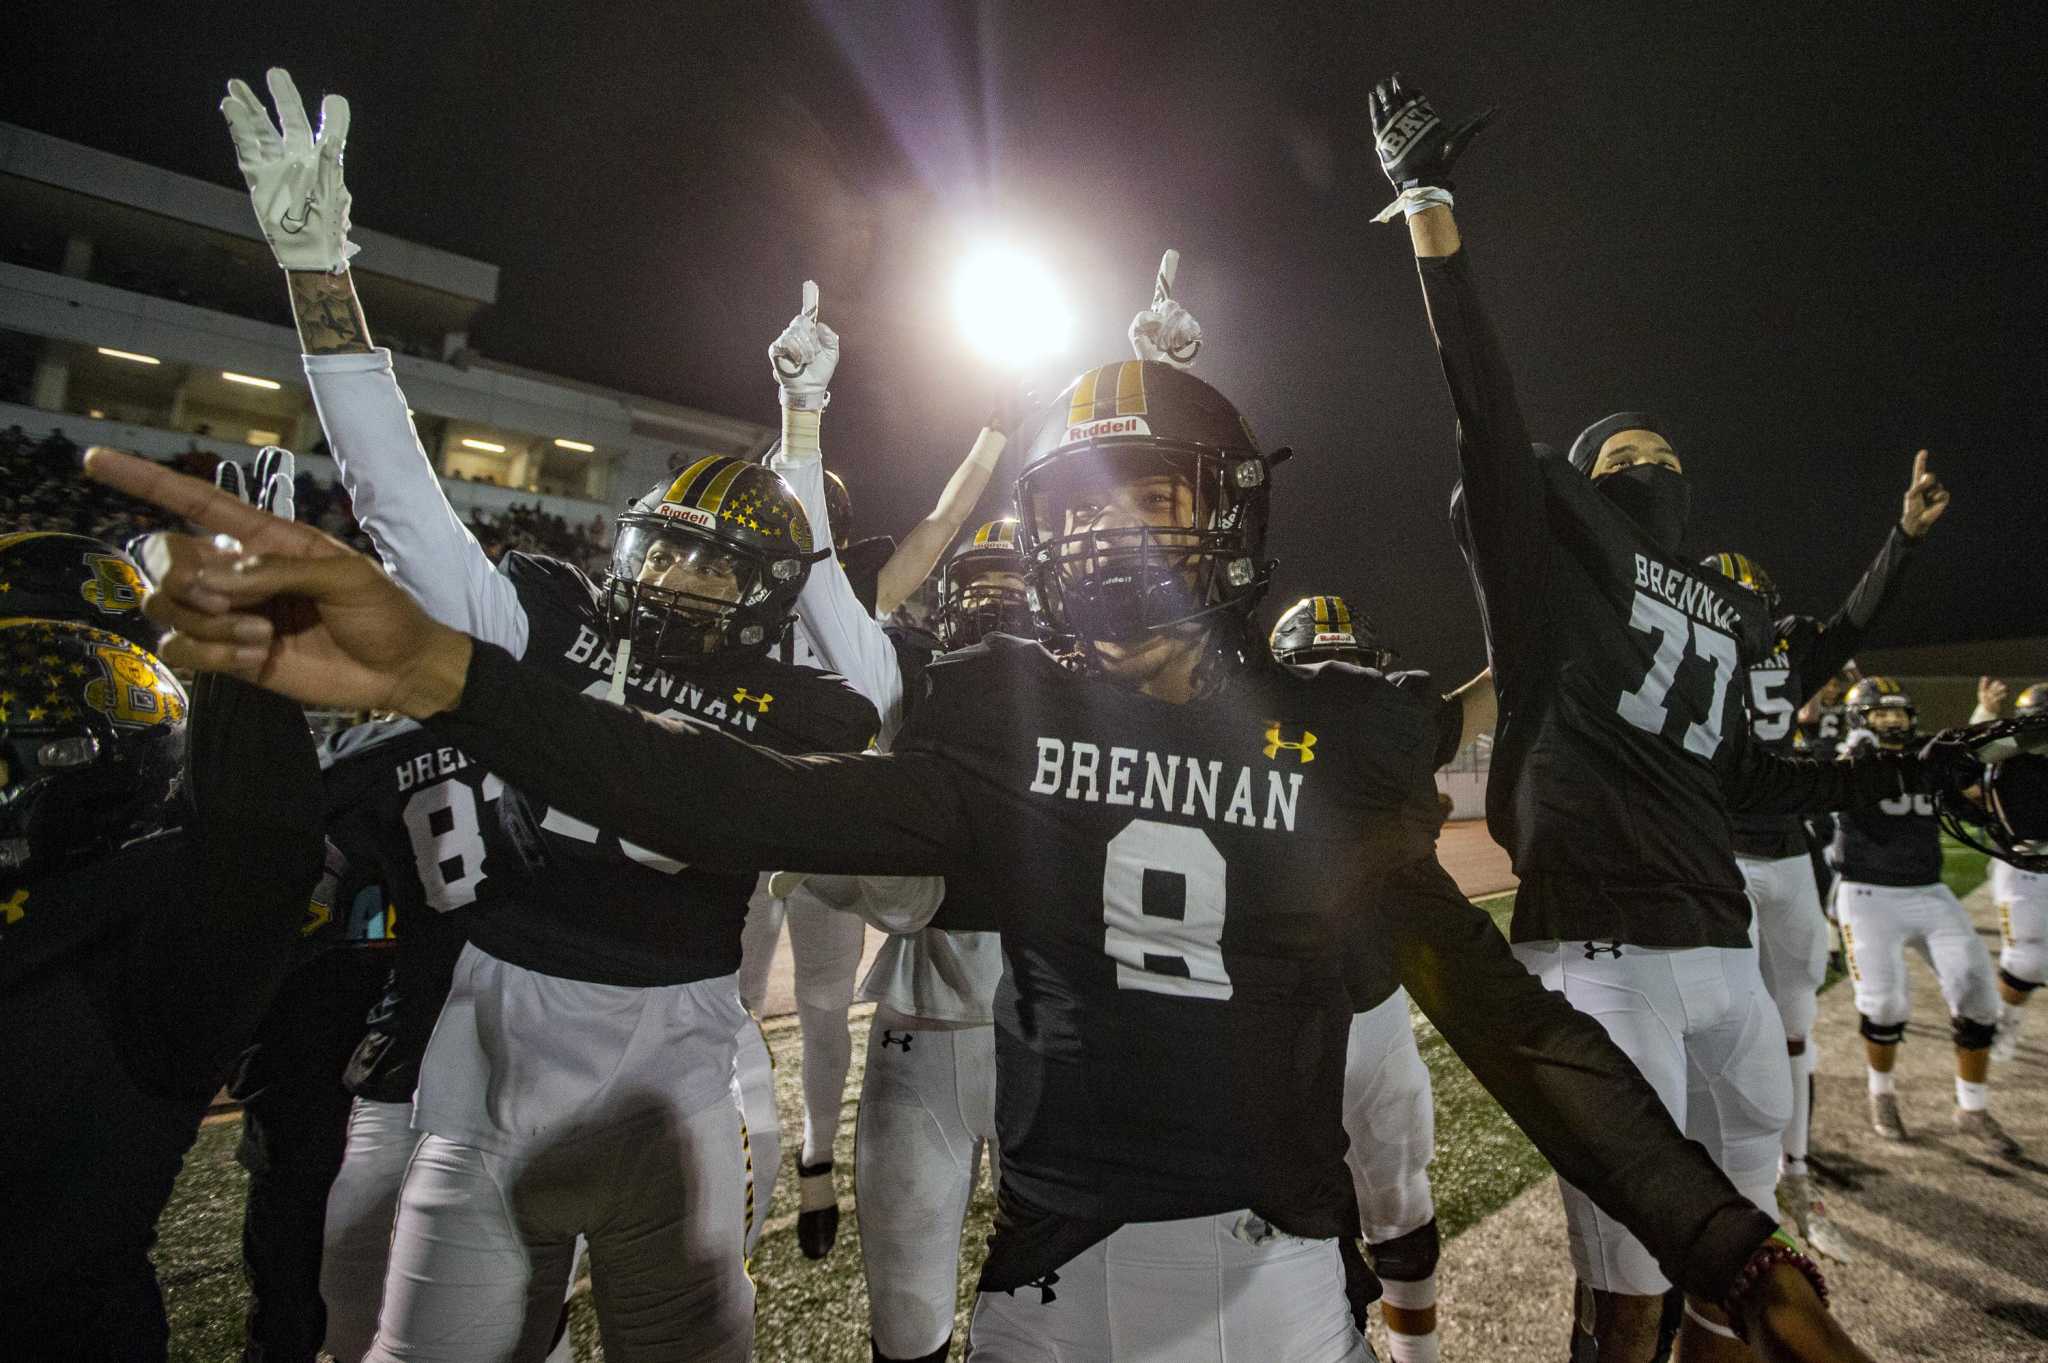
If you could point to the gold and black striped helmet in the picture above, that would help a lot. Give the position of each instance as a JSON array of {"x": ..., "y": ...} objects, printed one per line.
[
  {"x": 721, "y": 520},
  {"x": 1872, "y": 694},
  {"x": 2033, "y": 700},
  {"x": 1743, "y": 569},
  {"x": 1100, "y": 573},
  {"x": 981, "y": 588},
  {"x": 1316, "y": 628}
]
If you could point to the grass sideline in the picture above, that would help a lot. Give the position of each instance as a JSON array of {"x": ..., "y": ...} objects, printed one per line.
[{"x": 816, "y": 1313}]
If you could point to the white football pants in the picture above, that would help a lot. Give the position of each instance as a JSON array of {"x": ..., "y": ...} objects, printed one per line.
[
  {"x": 753, "y": 1090},
  {"x": 825, "y": 944},
  {"x": 1791, "y": 936},
  {"x": 2022, "y": 899},
  {"x": 356, "y": 1246},
  {"x": 1879, "y": 922},
  {"x": 1391, "y": 1119},
  {"x": 483, "y": 1243},
  {"x": 1209, "y": 1289},
  {"x": 927, "y": 1114},
  {"x": 1700, "y": 1027}
]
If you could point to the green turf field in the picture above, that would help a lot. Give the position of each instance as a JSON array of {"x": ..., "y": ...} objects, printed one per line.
[{"x": 816, "y": 1313}]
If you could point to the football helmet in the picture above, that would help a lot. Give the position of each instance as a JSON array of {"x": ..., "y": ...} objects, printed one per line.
[
  {"x": 1872, "y": 694},
  {"x": 1743, "y": 569},
  {"x": 1103, "y": 570},
  {"x": 976, "y": 596},
  {"x": 719, "y": 517},
  {"x": 92, "y": 740},
  {"x": 1319, "y": 627},
  {"x": 2033, "y": 700},
  {"x": 49, "y": 575},
  {"x": 2004, "y": 813}
]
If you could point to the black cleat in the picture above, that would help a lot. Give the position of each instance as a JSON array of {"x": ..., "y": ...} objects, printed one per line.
[{"x": 817, "y": 1223}]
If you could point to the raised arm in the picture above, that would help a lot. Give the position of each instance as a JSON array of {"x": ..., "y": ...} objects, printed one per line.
[
  {"x": 1503, "y": 501},
  {"x": 848, "y": 640},
  {"x": 929, "y": 539},
  {"x": 1925, "y": 501},
  {"x": 295, "y": 183}
]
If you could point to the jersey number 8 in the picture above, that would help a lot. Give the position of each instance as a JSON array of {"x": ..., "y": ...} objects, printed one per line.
[{"x": 1162, "y": 905}]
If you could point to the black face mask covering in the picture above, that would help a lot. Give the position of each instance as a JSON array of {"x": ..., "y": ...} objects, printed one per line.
[{"x": 1656, "y": 498}]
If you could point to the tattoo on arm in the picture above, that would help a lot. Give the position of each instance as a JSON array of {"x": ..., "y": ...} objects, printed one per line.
[{"x": 329, "y": 315}]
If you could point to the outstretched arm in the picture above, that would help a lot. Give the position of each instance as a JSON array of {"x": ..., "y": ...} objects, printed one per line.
[
  {"x": 391, "y": 483},
  {"x": 929, "y": 539}
]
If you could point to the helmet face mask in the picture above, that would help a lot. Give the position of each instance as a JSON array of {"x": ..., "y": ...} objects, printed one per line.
[
  {"x": 981, "y": 589},
  {"x": 708, "y": 564},
  {"x": 1881, "y": 706}
]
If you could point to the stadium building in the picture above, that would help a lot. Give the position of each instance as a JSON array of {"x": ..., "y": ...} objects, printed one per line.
[{"x": 142, "y": 309}]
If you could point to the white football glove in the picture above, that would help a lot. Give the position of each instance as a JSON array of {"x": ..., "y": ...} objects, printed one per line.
[
  {"x": 804, "y": 356},
  {"x": 1166, "y": 331},
  {"x": 294, "y": 174}
]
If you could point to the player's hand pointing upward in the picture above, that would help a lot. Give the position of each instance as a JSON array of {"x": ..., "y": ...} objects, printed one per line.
[{"x": 804, "y": 357}]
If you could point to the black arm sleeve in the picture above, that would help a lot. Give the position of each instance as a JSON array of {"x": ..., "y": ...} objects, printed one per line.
[
  {"x": 701, "y": 795},
  {"x": 1759, "y": 782},
  {"x": 1568, "y": 1087},
  {"x": 1838, "y": 638},
  {"x": 204, "y": 973},
  {"x": 1503, "y": 501}
]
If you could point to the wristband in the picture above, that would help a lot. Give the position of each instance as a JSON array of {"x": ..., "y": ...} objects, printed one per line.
[
  {"x": 988, "y": 447},
  {"x": 1413, "y": 200},
  {"x": 1781, "y": 1248},
  {"x": 800, "y": 433},
  {"x": 803, "y": 402}
]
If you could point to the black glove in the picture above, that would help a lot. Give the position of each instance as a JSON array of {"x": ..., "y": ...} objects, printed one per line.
[{"x": 1414, "y": 148}]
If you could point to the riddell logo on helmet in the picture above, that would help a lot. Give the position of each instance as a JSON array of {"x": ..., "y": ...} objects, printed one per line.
[
  {"x": 1096, "y": 430},
  {"x": 1336, "y": 638},
  {"x": 690, "y": 514}
]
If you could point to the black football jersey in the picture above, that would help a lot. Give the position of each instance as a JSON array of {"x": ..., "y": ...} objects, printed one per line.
[
  {"x": 405, "y": 809},
  {"x": 1805, "y": 652},
  {"x": 1623, "y": 740},
  {"x": 1893, "y": 842},
  {"x": 552, "y": 893},
  {"x": 1172, "y": 884}
]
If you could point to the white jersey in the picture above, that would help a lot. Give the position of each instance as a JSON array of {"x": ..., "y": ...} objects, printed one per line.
[{"x": 937, "y": 976}]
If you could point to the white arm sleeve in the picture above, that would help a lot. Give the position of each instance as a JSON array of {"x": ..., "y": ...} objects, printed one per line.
[
  {"x": 398, "y": 500},
  {"x": 895, "y": 904},
  {"x": 1980, "y": 715},
  {"x": 847, "y": 639}
]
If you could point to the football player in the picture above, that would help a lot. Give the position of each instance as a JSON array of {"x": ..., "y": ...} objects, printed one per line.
[
  {"x": 2021, "y": 896},
  {"x": 1891, "y": 897},
  {"x": 1772, "y": 851},
  {"x": 826, "y": 944},
  {"x": 1621, "y": 750},
  {"x": 579, "y": 1079},
  {"x": 1171, "y": 831},
  {"x": 155, "y": 873},
  {"x": 1388, "y": 1108}
]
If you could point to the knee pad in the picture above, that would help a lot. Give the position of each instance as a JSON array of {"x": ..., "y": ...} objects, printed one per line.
[
  {"x": 1407, "y": 1258},
  {"x": 1970, "y": 1034},
  {"x": 2015, "y": 983},
  {"x": 1883, "y": 1033}
]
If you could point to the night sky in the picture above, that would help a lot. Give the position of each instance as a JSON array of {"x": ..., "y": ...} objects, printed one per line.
[{"x": 1813, "y": 243}]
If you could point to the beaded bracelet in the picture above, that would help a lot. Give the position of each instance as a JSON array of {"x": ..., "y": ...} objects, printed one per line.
[{"x": 1781, "y": 1248}]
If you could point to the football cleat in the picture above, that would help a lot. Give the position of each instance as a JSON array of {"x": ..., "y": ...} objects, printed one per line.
[
  {"x": 1983, "y": 1128},
  {"x": 1884, "y": 1116},
  {"x": 817, "y": 1223}
]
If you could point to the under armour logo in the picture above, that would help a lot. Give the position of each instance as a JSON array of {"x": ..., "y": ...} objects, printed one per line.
[
  {"x": 745, "y": 697},
  {"x": 1306, "y": 749},
  {"x": 1593, "y": 949},
  {"x": 15, "y": 909},
  {"x": 1046, "y": 1295},
  {"x": 890, "y": 1038},
  {"x": 305, "y": 216}
]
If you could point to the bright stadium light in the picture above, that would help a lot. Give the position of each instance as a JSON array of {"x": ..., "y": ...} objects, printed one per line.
[
  {"x": 130, "y": 355},
  {"x": 580, "y": 446},
  {"x": 487, "y": 446},
  {"x": 1009, "y": 306},
  {"x": 250, "y": 380}
]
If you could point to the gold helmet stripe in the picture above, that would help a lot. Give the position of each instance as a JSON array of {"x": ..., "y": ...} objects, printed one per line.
[
  {"x": 1082, "y": 409},
  {"x": 1321, "y": 606},
  {"x": 713, "y": 497},
  {"x": 682, "y": 490},
  {"x": 1130, "y": 389},
  {"x": 1342, "y": 613}
]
